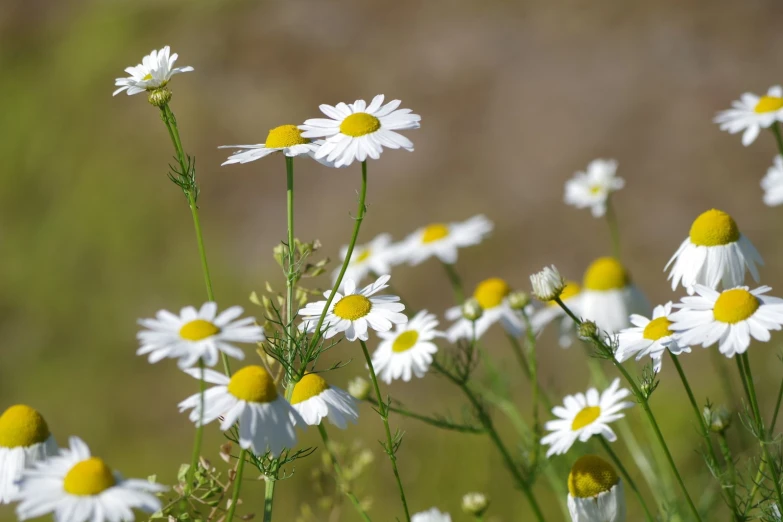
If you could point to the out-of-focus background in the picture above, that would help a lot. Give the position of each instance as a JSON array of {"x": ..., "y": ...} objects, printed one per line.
[{"x": 514, "y": 96}]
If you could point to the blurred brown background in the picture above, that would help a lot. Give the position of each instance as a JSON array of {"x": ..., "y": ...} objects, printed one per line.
[{"x": 515, "y": 97}]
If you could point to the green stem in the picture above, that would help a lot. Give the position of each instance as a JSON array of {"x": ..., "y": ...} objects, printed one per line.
[
  {"x": 291, "y": 272},
  {"x": 778, "y": 137},
  {"x": 199, "y": 432},
  {"x": 432, "y": 421},
  {"x": 531, "y": 353},
  {"x": 456, "y": 282},
  {"x": 776, "y": 411},
  {"x": 237, "y": 486},
  {"x": 342, "y": 483},
  {"x": 269, "y": 497},
  {"x": 626, "y": 476},
  {"x": 731, "y": 493},
  {"x": 614, "y": 230}
]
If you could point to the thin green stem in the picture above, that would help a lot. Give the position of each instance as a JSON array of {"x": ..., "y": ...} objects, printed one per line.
[
  {"x": 269, "y": 498},
  {"x": 456, "y": 282},
  {"x": 199, "y": 432},
  {"x": 778, "y": 137},
  {"x": 237, "y": 486},
  {"x": 531, "y": 353},
  {"x": 341, "y": 482},
  {"x": 731, "y": 492},
  {"x": 626, "y": 476},
  {"x": 776, "y": 411},
  {"x": 516, "y": 347},
  {"x": 614, "y": 230},
  {"x": 432, "y": 421},
  {"x": 291, "y": 270}
]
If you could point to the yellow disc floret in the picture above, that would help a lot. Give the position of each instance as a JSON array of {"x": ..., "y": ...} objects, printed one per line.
[
  {"x": 405, "y": 341},
  {"x": 253, "y": 384},
  {"x": 285, "y": 136},
  {"x": 310, "y": 385},
  {"x": 656, "y": 329},
  {"x": 360, "y": 124},
  {"x": 89, "y": 477},
  {"x": 735, "y": 305},
  {"x": 434, "y": 232},
  {"x": 590, "y": 476},
  {"x": 491, "y": 292},
  {"x": 352, "y": 307},
  {"x": 768, "y": 104},
  {"x": 21, "y": 425},
  {"x": 714, "y": 228},
  {"x": 198, "y": 330},
  {"x": 606, "y": 273},
  {"x": 570, "y": 290},
  {"x": 363, "y": 255},
  {"x": 585, "y": 417}
]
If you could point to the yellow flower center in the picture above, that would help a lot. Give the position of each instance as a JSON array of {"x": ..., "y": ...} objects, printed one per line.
[
  {"x": 434, "y": 232},
  {"x": 606, "y": 273},
  {"x": 360, "y": 124},
  {"x": 585, "y": 417},
  {"x": 595, "y": 189},
  {"x": 352, "y": 307},
  {"x": 657, "y": 328},
  {"x": 591, "y": 475},
  {"x": 309, "y": 386},
  {"x": 714, "y": 228},
  {"x": 362, "y": 256},
  {"x": 491, "y": 292},
  {"x": 147, "y": 77},
  {"x": 285, "y": 136},
  {"x": 735, "y": 305},
  {"x": 21, "y": 425},
  {"x": 253, "y": 384},
  {"x": 405, "y": 341},
  {"x": 768, "y": 104},
  {"x": 197, "y": 330},
  {"x": 89, "y": 477},
  {"x": 570, "y": 290}
]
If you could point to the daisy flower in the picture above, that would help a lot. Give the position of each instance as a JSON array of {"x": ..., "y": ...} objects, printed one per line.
[
  {"x": 593, "y": 187},
  {"x": 285, "y": 138},
  {"x": 584, "y": 415},
  {"x": 715, "y": 252},
  {"x": 357, "y": 131},
  {"x": 595, "y": 491},
  {"x": 492, "y": 296},
  {"x": 315, "y": 399},
  {"x": 649, "y": 337},
  {"x": 197, "y": 334},
  {"x": 432, "y": 515},
  {"x": 551, "y": 311},
  {"x": 408, "y": 350},
  {"x": 376, "y": 257},
  {"x": 772, "y": 183},
  {"x": 443, "y": 240},
  {"x": 154, "y": 71},
  {"x": 24, "y": 440},
  {"x": 751, "y": 113},
  {"x": 609, "y": 296},
  {"x": 356, "y": 311},
  {"x": 76, "y": 487},
  {"x": 475, "y": 503},
  {"x": 729, "y": 318},
  {"x": 547, "y": 284},
  {"x": 266, "y": 420}
]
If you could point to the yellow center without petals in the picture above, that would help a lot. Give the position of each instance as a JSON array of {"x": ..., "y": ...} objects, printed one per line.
[
  {"x": 21, "y": 425},
  {"x": 198, "y": 330},
  {"x": 352, "y": 307},
  {"x": 253, "y": 384},
  {"x": 714, "y": 228},
  {"x": 405, "y": 341},
  {"x": 570, "y": 290},
  {"x": 606, "y": 273},
  {"x": 585, "y": 417},
  {"x": 656, "y": 329},
  {"x": 309, "y": 386},
  {"x": 360, "y": 124},
  {"x": 89, "y": 477},
  {"x": 735, "y": 305},
  {"x": 363, "y": 255},
  {"x": 491, "y": 292},
  {"x": 285, "y": 136},
  {"x": 590, "y": 476},
  {"x": 434, "y": 232},
  {"x": 768, "y": 104}
]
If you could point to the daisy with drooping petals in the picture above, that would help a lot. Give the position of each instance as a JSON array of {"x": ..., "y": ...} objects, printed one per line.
[
  {"x": 570, "y": 295},
  {"x": 408, "y": 350},
  {"x": 285, "y": 138},
  {"x": 77, "y": 487},
  {"x": 155, "y": 70},
  {"x": 376, "y": 257},
  {"x": 715, "y": 252},
  {"x": 584, "y": 415},
  {"x": 357, "y": 131},
  {"x": 751, "y": 113},
  {"x": 729, "y": 318},
  {"x": 431, "y": 515},
  {"x": 595, "y": 491},
  {"x": 315, "y": 400},
  {"x": 443, "y": 240},
  {"x": 609, "y": 296},
  {"x": 355, "y": 311},
  {"x": 649, "y": 337},
  {"x": 266, "y": 420},
  {"x": 593, "y": 187},
  {"x": 24, "y": 440},
  {"x": 197, "y": 334},
  {"x": 492, "y": 296},
  {"x": 772, "y": 183}
]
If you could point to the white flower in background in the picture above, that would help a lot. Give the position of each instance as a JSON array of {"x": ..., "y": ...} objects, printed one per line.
[
  {"x": 266, "y": 420},
  {"x": 375, "y": 258},
  {"x": 595, "y": 491},
  {"x": 772, "y": 183},
  {"x": 24, "y": 440},
  {"x": 359, "y": 387},
  {"x": 443, "y": 240},
  {"x": 593, "y": 187},
  {"x": 609, "y": 297},
  {"x": 315, "y": 400},
  {"x": 751, "y": 113},
  {"x": 357, "y": 131},
  {"x": 715, "y": 252},
  {"x": 571, "y": 297},
  {"x": 74, "y": 486},
  {"x": 197, "y": 334},
  {"x": 285, "y": 138},
  {"x": 649, "y": 337},
  {"x": 547, "y": 284},
  {"x": 729, "y": 318},
  {"x": 355, "y": 311},
  {"x": 155, "y": 70},
  {"x": 432, "y": 515},
  {"x": 584, "y": 415},
  {"x": 475, "y": 504},
  {"x": 408, "y": 350},
  {"x": 492, "y": 295}
]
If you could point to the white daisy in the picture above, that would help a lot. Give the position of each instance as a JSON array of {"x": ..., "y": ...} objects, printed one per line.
[
  {"x": 155, "y": 70},
  {"x": 24, "y": 440},
  {"x": 356, "y": 311},
  {"x": 649, "y": 337},
  {"x": 729, "y": 318},
  {"x": 475, "y": 503},
  {"x": 751, "y": 113},
  {"x": 76, "y": 487},
  {"x": 197, "y": 334},
  {"x": 376, "y": 257},
  {"x": 547, "y": 284},
  {"x": 593, "y": 187},
  {"x": 357, "y": 131},
  {"x": 584, "y": 415},
  {"x": 492, "y": 296},
  {"x": 431, "y": 515},
  {"x": 285, "y": 138},
  {"x": 715, "y": 252},
  {"x": 266, "y": 420},
  {"x": 315, "y": 399},
  {"x": 408, "y": 350},
  {"x": 571, "y": 296},
  {"x": 443, "y": 240},
  {"x": 772, "y": 183},
  {"x": 595, "y": 491},
  {"x": 609, "y": 297}
]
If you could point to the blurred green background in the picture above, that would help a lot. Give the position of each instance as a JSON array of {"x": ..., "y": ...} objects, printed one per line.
[{"x": 515, "y": 97}]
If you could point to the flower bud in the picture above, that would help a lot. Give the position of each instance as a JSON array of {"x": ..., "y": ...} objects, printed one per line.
[
  {"x": 587, "y": 330},
  {"x": 718, "y": 419},
  {"x": 518, "y": 300},
  {"x": 475, "y": 504},
  {"x": 159, "y": 97},
  {"x": 359, "y": 387},
  {"x": 547, "y": 284},
  {"x": 471, "y": 310}
]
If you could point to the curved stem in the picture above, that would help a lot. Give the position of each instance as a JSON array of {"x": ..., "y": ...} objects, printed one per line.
[
  {"x": 456, "y": 282},
  {"x": 432, "y": 421},
  {"x": 237, "y": 486},
  {"x": 776, "y": 411},
  {"x": 199, "y": 432},
  {"x": 626, "y": 476},
  {"x": 341, "y": 482}
]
